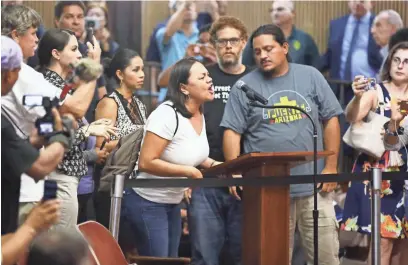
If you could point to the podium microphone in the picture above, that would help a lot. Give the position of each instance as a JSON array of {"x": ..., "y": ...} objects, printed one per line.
[
  {"x": 254, "y": 96},
  {"x": 250, "y": 93}
]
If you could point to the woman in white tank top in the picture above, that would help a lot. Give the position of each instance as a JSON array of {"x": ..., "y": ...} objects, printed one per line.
[{"x": 173, "y": 146}]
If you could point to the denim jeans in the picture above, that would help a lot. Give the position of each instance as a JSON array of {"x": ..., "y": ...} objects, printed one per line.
[
  {"x": 214, "y": 217},
  {"x": 156, "y": 226}
]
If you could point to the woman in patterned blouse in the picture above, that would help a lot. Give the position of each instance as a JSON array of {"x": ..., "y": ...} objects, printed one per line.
[
  {"x": 57, "y": 50},
  {"x": 122, "y": 107}
]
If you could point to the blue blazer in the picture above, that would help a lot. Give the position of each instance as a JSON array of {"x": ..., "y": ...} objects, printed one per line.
[{"x": 331, "y": 60}]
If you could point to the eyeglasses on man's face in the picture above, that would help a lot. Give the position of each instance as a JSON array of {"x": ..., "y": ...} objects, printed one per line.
[{"x": 224, "y": 42}]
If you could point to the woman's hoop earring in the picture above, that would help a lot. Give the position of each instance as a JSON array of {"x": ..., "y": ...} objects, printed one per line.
[
  {"x": 121, "y": 82},
  {"x": 187, "y": 96}
]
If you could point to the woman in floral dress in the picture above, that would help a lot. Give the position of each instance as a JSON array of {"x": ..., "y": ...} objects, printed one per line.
[{"x": 357, "y": 209}]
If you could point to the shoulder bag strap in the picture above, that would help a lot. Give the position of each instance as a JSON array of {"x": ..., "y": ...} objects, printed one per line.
[
  {"x": 177, "y": 119},
  {"x": 381, "y": 103}
]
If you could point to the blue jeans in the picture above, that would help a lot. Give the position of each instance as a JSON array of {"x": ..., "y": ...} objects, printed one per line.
[
  {"x": 157, "y": 226},
  {"x": 214, "y": 217}
]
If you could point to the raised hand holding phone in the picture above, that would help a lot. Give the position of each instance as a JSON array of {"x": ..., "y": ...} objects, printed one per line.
[
  {"x": 94, "y": 49},
  {"x": 362, "y": 84}
]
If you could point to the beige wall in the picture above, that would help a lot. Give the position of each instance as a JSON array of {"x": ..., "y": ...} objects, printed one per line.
[
  {"x": 46, "y": 10},
  {"x": 311, "y": 16}
]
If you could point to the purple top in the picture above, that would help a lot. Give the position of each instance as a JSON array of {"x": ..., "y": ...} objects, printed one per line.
[{"x": 86, "y": 184}]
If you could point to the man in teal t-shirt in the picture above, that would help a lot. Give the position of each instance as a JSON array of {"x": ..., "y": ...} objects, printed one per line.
[{"x": 285, "y": 130}]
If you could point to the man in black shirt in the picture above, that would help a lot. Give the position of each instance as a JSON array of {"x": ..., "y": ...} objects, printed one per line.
[
  {"x": 18, "y": 155},
  {"x": 215, "y": 213}
]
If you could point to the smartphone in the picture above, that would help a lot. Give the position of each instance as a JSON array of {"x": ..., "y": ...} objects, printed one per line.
[
  {"x": 92, "y": 22},
  {"x": 403, "y": 106},
  {"x": 50, "y": 190},
  {"x": 371, "y": 84},
  {"x": 89, "y": 36},
  {"x": 32, "y": 100}
]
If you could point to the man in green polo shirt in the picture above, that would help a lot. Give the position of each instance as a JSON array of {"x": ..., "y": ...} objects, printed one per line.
[{"x": 302, "y": 50}]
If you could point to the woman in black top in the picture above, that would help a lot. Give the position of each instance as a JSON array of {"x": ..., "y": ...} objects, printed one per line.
[{"x": 57, "y": 51}]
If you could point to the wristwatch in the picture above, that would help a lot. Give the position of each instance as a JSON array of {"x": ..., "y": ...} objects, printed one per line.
[{"x": 399, "y": 131}]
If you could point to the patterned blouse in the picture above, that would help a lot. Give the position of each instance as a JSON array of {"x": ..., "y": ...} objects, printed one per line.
[
  {"x": 73, "y": 163},
  {"x": 131, "y": 115}
]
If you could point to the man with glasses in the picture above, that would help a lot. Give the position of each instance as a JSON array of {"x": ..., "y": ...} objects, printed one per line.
[
  {"x": 302, "y": 47},
  {"x": 215, "y": 213}
]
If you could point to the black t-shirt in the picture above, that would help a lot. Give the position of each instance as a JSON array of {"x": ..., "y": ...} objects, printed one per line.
[
  {"x": 214, "y": 110},
  {"x": 17, "y": 156}
]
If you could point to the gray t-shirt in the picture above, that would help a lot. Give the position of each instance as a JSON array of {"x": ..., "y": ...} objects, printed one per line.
[{"x": 283, "y": 130}]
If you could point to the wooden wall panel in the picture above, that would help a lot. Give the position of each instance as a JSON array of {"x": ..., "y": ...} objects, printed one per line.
[
  {"x": 153, "y": 13},
  {"x": 45, "y": 9},
  {"x": 311, "y": 16}
]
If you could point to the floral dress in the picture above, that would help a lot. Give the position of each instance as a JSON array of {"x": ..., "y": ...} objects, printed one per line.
[{"x": 357, "y": 207}]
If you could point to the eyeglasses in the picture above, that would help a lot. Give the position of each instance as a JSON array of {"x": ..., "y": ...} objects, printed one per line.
[
  {"x": 224, "y": 42},
  {"x": 397, "y": 61}
]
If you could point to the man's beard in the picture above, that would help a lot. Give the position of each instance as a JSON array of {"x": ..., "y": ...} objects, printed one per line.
[
  {"x": 268, "y": 73},
  {"x": 229, "y": 63}
]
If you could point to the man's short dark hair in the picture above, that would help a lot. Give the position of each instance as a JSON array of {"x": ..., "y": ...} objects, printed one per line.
[
  {"x": 399, "y": 36},
  {"x": 270, "y": 29},
  {"x": 58, "y": 248},
  {"x": 273, "y": 30},
  {"x": 60, "y": 5}
]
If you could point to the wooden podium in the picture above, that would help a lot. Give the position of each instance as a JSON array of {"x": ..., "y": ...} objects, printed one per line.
[{"x": 265, "y": 230}]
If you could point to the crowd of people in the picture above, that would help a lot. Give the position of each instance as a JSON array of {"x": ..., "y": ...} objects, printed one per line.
[{"x": 69, "y": 95}]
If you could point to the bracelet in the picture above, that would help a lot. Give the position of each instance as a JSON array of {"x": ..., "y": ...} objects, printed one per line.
[{"x": 398, "y": 130}]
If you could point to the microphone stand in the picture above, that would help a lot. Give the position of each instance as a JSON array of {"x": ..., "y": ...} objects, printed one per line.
[{"x": 315, "y": 210}]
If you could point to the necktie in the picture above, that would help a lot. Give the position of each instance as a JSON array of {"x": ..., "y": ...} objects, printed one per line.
[{"x": 347, "y": 70}]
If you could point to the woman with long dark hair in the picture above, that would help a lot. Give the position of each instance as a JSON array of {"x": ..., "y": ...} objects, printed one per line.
[
  {"x": 126, "y": 111},
  {"x": 174, "y": 145},
  {"x": 57, "y": 52}
]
